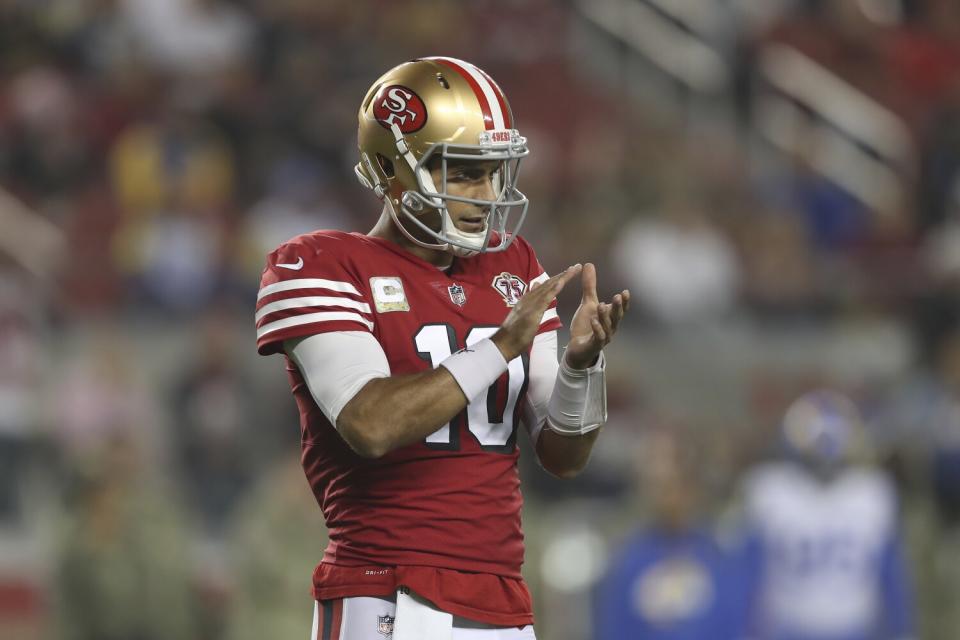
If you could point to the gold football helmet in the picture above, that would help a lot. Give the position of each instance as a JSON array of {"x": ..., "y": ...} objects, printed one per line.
[{"x": 422, "y": 114}]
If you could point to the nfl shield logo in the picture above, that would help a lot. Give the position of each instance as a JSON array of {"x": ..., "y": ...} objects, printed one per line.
[
  {"x": 457, "y": 295},
  {"x": 385, "y": 625}
]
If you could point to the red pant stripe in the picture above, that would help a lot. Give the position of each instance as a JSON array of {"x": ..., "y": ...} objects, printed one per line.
[{"x": 336, "y": 619}]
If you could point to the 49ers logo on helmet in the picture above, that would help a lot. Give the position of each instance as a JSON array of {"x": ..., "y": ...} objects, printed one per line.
[{"x": 396, "y": 104}]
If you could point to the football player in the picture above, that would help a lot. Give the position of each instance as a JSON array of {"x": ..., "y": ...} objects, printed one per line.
[
  {"x": 673, "y": 578},
  {"x": 826, "y": 555},
  {"x": 415, "y": 350}
]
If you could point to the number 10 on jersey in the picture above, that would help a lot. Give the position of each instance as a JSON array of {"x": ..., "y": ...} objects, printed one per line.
[{"x": 491, "y": 418}]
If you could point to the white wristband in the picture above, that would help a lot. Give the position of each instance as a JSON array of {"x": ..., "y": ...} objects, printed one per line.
[
  {"x": 578, "y": 404},
  {"x": 476, "y": 367}
]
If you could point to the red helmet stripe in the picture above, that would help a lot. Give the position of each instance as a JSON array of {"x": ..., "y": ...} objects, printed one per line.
[
  {"x": 457, "y": 66},
  {"x": 504, "y": 109}
]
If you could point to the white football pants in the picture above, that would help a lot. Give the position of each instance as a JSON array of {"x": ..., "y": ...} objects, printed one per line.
[{"x": 364, "y": 618}]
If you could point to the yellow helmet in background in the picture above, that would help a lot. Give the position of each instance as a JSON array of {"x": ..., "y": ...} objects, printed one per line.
[{"x": 423, "y": 114}]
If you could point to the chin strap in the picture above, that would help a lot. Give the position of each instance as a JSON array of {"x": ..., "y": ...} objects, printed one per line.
[
  {"x": 422, "y": 174},
  {"x": 403, "y": 229}
]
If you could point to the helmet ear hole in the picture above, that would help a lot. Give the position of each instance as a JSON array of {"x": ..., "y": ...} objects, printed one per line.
[{"x": 386, "y": 166}]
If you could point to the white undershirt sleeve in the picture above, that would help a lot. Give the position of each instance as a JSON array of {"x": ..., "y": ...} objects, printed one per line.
[
  {"x": 336, "y": 365},
  {"x": 543, "y": 375}
]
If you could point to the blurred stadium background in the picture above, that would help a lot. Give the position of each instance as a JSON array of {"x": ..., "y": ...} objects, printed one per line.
[{"x": 778, "y": 182}]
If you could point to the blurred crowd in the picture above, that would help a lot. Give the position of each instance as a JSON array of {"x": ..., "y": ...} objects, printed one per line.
[{"x": 152, "y": 152}]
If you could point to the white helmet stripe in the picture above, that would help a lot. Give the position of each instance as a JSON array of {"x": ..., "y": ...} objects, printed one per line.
[{"x": 489, "y": 92}]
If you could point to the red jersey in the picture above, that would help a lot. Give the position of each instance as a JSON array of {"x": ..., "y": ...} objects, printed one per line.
[{"x": 440, "y": 516}]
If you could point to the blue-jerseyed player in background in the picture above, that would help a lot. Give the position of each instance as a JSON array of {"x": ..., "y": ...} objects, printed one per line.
[{"x": 674, "y": 579}]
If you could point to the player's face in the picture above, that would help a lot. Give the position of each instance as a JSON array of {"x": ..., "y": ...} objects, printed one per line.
[{"x": 472, "y": 180}]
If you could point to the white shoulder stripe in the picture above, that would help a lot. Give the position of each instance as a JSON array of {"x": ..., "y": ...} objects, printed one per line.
[
  {"x": 308, "y": 283},
  {"x": 543, "y": 277},
  {"x": 310, "y": 318},
  {"x": 549, "y": 314},
  {"x": 311, "y": 301},
  {"x": 488, "y": 92}
]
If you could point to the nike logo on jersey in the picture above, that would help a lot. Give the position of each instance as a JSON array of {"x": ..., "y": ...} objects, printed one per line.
[{"x": 295, "y": 266}]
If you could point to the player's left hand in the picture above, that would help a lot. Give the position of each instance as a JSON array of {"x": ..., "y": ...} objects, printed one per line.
[{"x": 595, "y": 323}]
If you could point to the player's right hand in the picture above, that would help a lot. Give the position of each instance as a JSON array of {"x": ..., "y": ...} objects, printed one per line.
[{"x": 516, "y": 333}]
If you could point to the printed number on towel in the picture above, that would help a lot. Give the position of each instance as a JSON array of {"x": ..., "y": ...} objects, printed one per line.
[{"x": 491, "y": 420}]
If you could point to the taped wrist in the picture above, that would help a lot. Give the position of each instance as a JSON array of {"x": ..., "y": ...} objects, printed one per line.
[
  {"x": 476, "y": 367},
  {"x": 578, "y": 404}
]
